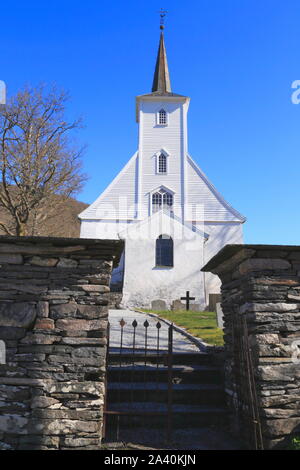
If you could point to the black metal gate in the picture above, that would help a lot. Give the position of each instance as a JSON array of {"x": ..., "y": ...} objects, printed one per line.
[{"x": 128, "y": 368}]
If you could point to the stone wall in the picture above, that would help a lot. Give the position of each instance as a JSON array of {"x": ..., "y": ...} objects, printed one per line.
[
  {"x": 261, "y": 305},
  {"x": 53, "y": 321},
  {"x": 115, "y": 300}
]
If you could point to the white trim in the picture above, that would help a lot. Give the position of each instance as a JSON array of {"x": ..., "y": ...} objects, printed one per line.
[{"x": 160, "y": 98}]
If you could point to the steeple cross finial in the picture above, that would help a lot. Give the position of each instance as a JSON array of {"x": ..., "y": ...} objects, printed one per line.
[{"x": 162, "y": 14}]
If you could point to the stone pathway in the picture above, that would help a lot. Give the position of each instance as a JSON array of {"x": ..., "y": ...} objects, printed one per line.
[{"x": 180, "y": 342}]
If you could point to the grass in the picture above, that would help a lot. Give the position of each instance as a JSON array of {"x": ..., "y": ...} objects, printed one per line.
[
  {"x": 200, "y": 324},
  {"x": 295, "y": 443}
]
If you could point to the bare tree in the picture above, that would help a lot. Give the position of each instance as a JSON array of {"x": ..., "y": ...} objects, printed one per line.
[{"x": 38, "y": 158}]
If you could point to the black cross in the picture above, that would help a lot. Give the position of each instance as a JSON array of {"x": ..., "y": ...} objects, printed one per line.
[{"x": 187, "y": 298}]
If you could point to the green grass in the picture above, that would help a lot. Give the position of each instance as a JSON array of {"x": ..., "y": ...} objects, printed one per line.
[
  {"x": 200, "y": 324},
  {"x": 295, "y": 443}
]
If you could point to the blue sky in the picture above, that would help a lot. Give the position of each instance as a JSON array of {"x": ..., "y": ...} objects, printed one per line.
[{"x": 236, "y": 59}]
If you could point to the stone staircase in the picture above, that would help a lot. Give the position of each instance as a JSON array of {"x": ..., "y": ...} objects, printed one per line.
[{"x": 140, "y": 392}]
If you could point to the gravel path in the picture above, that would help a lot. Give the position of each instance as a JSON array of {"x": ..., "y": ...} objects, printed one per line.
[{"x": 180, "y": 342}]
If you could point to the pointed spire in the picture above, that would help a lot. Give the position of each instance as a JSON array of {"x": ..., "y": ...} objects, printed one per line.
[{"x": 161, "y": 79}]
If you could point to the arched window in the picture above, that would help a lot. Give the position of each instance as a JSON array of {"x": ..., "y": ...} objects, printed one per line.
[
  {"x": 167, "y": 200},
  {"x": 162, "y": 117},
  {"x": 162, "y": 163},
  {"x": 164, "y": 251},
  {"x": 161, "y": 200},
  {"x": 156, "y": 202}
]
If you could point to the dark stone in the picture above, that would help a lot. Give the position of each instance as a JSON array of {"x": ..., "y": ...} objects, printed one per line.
[
  {"x": 11, "y": 332},
  {"x": 20, "y": 315}
]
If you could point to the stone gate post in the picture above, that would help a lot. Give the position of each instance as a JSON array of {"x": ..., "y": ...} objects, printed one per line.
[
  {"x": 53, "y": 325},
  {"x": 261, "y": 306}
]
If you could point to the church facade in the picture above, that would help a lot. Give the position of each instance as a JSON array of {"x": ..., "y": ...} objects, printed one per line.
[{"x": 172, "y": 218}]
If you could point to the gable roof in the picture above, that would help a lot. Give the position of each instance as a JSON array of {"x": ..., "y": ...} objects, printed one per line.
[
  {"x": 163, "y": 213},
  {"x": 216, "y": 207},
  {"x": 113, "y": 191}
]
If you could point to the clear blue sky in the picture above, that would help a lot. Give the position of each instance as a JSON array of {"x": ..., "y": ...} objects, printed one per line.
[{"x": 236, "y": 59}]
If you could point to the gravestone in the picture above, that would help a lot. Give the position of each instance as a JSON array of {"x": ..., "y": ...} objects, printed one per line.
[
  {"x": 158, "y": 305},
  {"x": 196, "y": 307},
  {"x": 213, "y": 300},
  {"x": 187, "y": 299},
  {"x": 177, "y": 305},
  {"x": 220, "y": 319}
]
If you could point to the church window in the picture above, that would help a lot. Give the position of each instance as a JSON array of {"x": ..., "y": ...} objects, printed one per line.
[
  {"x": 162, "y": 163},
  {"x": 167, "y": 199},
  {"x": 162, "y": 117},
  {"x": 164, "y": 251},
  {"x": 161, "y": 200},
  {"x": 156, "y": 202}
]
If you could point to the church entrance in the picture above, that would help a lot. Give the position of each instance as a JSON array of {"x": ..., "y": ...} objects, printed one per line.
[
  {"x": 160, "y": 386},
  {"x": 139, "y": 388}
]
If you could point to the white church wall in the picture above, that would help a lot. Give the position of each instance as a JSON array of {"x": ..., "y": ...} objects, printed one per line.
[
  {"x": 220, "y": 235},
  {"x": 144, "y": 282},
  {"x": 102, "y": 229}
]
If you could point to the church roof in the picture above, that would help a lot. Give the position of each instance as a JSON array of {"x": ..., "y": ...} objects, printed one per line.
[
  {"x": 161, "y": 87},
  {"x": 161, "y": 79}
]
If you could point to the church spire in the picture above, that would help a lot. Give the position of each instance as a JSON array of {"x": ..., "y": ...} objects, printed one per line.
[{"x": 161, "y": 79}]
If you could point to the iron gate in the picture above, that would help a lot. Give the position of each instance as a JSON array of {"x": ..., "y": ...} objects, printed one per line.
[{"x": 131, "y": 362}]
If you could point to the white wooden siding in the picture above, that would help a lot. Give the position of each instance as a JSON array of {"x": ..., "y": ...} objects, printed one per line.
[
  {"x": 119, "y": 199},
  {"x": 155, "y": 138}
]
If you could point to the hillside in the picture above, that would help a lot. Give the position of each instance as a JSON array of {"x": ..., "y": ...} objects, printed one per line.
[{"x": 58, "y": 220}]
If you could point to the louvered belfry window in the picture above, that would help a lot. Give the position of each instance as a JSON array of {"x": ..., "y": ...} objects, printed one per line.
[
  {"x": 162, "y": 117},
  {"x": 162, "y": 163},
  {"x": 164, "y": 251}
]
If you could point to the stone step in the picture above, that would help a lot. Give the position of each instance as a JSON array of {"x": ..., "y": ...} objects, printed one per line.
[
  {"x": 180, "y": 373},
  {"x": 200, "y": 394},
  {"x": 152, "y": 357},
  {"x": 156, "y": 414}
]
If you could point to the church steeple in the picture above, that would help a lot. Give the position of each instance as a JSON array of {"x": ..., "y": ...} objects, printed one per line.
[{"x": 161, "y": 79}]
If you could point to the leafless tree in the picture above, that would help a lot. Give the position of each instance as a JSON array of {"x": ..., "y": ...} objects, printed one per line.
[{"x": 38, "y": 157}]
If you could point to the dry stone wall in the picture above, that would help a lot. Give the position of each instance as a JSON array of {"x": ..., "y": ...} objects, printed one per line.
[
  {"x": 54, "y": 296},
  {"x": 261, "y": 306}
]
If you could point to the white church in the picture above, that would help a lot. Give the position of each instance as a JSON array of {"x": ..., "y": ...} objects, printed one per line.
[{"x": 172, "y": 218}]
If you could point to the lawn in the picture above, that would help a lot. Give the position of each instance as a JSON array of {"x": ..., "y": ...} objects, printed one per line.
[{"x": 200, "y": 324}]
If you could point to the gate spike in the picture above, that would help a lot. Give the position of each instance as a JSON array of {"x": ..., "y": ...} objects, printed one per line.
[
  {"x": 134, "y": 323},
  {"x": 146, "y": 324},
  {"x": 158, "y": 325},
  {"x": 122, "y": 322}
]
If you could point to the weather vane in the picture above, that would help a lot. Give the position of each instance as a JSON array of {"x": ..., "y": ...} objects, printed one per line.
[{"x": 162, "y": 13}]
